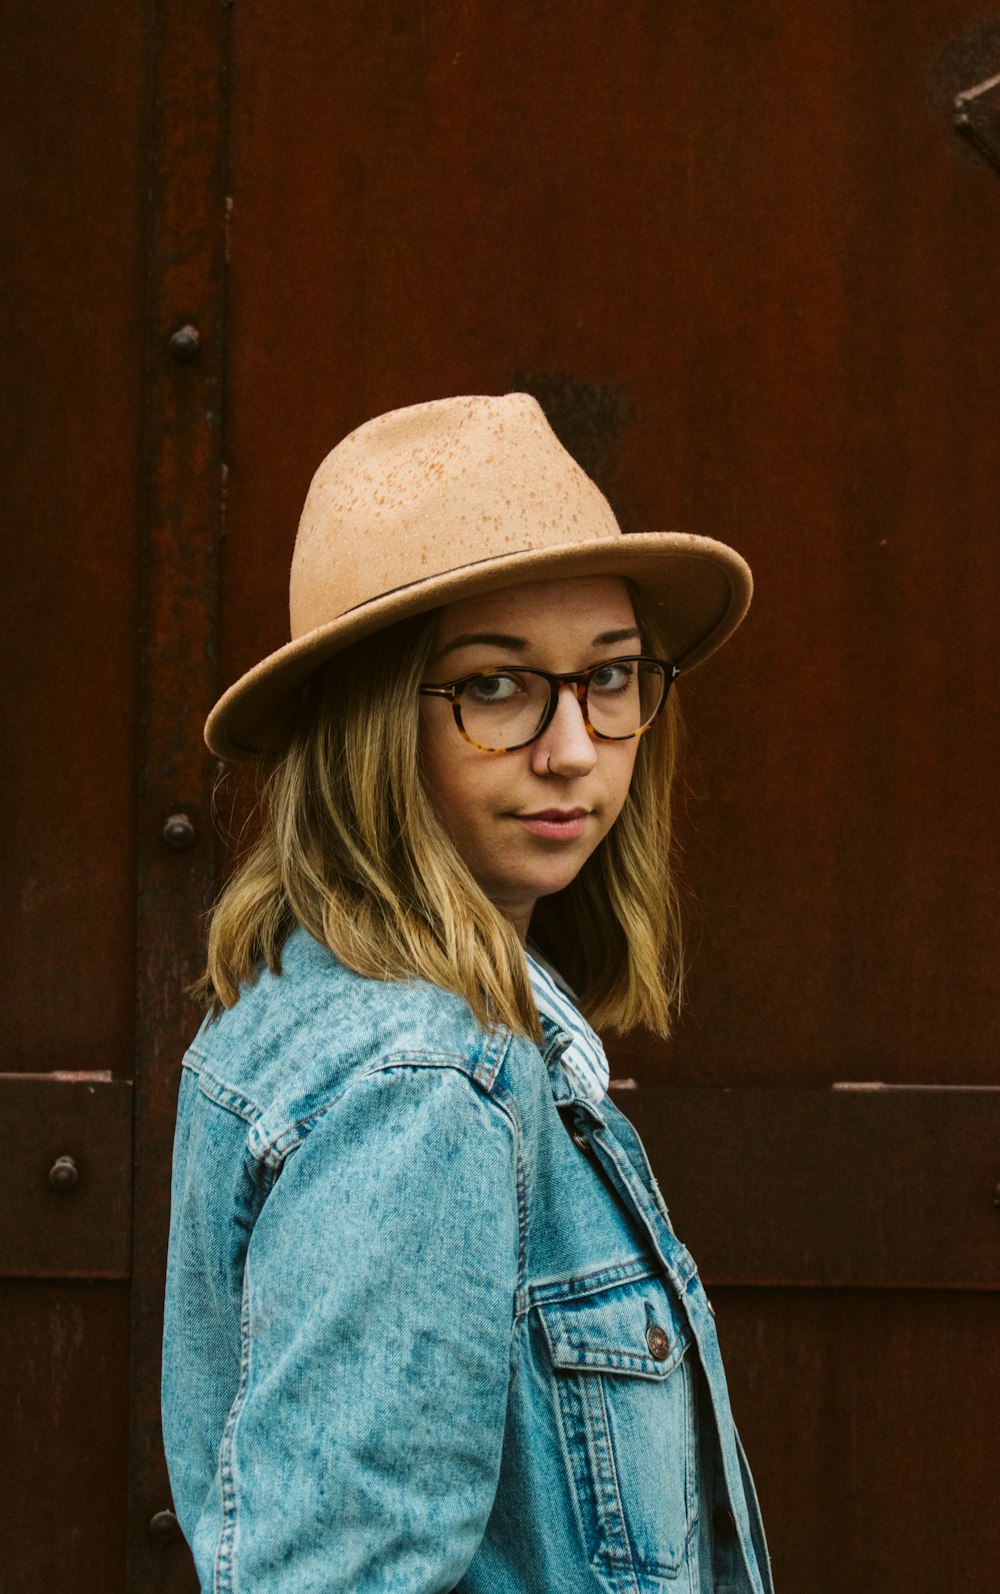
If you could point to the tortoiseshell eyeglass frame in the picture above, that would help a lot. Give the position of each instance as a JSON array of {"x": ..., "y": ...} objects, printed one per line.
[{"x": 580, "y": 682}]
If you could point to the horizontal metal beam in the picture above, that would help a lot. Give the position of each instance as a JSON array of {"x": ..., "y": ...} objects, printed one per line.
[
  {"x": 855, "y": 1187},
  {"x": 65, "y": 1207},
  {"x": 852, "y": 1187}
]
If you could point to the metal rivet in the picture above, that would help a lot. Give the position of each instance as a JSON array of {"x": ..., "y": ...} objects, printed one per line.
[
  {"x": 164, "y": 1528},
  {"x": 658, "y": 1341},
  {"x": 184, "y": 343},
  {"x": 63, "y": 1174},
  {"x": 179, "y": 832}
]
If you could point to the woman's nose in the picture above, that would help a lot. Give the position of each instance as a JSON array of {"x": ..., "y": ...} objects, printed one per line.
[{"x": 567, "y": 747}]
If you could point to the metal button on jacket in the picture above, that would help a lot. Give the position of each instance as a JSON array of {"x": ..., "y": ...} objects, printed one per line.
[{"x": 658, "y": 1341}]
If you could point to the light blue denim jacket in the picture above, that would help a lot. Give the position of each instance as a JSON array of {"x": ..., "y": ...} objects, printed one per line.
[{"x": 428, "y": 1327}]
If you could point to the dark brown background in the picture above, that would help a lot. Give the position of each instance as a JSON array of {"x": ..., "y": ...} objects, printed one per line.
[{"x": 745, "y": 257}]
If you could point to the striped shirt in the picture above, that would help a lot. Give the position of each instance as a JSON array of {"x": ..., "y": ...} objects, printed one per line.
[{"x": 584, "y": 1059}]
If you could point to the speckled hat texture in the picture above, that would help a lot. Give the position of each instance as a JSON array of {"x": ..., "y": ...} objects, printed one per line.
[{"x": 441, "y": 501}]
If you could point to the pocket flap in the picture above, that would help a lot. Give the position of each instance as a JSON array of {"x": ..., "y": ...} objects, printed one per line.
[{"x": 636, "y": 1329}]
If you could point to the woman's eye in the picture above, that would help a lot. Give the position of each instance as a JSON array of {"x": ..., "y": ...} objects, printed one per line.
[
  {"x": 612, "y": 678},
  {"x": 493, "y": 688}
]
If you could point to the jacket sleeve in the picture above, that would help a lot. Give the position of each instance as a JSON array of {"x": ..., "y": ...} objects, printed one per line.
[{"x": 362, "y": 1451}]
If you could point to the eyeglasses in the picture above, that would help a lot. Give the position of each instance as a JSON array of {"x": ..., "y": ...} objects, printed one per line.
[{"x": 499, "y": 710}]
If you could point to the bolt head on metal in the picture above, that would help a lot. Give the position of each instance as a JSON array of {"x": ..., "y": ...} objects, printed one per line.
[
  {"x": 184, "y": 342},
  {"x": 164, "y": 1528},
  {"x": 179, "y": 832},
  {"x": 63, "y": 1174}
]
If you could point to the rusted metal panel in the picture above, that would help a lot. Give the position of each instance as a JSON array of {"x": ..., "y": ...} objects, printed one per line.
[
  {"x": 872, "y": 1188},
  {"x": 762, "y": 235},
  {"x": 871, "y": 1425},
  {"x": 66, "y": 1206},
  {"x": 187, "y": 94},
  {"x": 71, "y": 194},
  {"x": 780, "y": 263},
  {"x": 63, "y": 1394},
  {"x": 70, "y": 425}
]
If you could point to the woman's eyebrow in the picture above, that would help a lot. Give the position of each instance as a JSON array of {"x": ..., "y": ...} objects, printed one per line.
[
  {"x": 608, "y": 637},
  {"x": 516, "y": 644},
  {"x": 490, "y": 639}
]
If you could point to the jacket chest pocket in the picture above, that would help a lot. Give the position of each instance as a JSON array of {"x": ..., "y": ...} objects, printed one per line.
[{"x": 625, "y": 1395}]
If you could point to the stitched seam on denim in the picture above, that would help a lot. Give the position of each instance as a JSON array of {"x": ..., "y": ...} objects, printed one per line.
[
  {"x": 569, "y": 1100},
  {"x": 677, "y": 1261},
  {"x": 692, "y": 1491},
  {"x": 615, "y": 1361},
  {"x": 483, "y": 1078},
  {"x": 274, "y": 1151},
  {"x": 626, "y": 1555},
  {"x": 619, "y": 1358},
  {"x": 523, "y": 1208},
  {"x": 641, "y": 1163},
  {"x": 555, "y": 1291},
  {"x": 573, "y": 1354},
  {"x": 596, "y": 1491},
  {"x": 664, "y": 1569},
  {"x": 225, "y": 1552},
  {"x": 214, "y": 1090},
  {"x": 619, "y": 1551},
  {"x": 498, "y": 1042},
  {"x": 573, "y": 1433},
  {"x": 504, "y": 1102}
]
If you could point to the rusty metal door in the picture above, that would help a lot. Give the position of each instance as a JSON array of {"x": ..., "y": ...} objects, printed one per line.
[
  {"x": 113, "y": 147},
  {"x": 744, "y": 255},
  {"x": 72, "y": 287}
]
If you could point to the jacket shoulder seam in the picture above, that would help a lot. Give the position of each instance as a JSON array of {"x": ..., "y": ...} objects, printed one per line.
[
  {"x": 272, "y": 1149},
  {"x": 217, "y": 1091}
]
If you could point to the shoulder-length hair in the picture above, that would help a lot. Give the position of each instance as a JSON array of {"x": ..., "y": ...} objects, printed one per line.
[{"x": 351, "y": 848}]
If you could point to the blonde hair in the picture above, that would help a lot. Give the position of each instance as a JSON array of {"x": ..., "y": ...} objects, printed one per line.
[{"x": 352, "y": 849}]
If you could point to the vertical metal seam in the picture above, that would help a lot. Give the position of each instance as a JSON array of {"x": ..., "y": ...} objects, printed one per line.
[{"x": 186, "y": 161}]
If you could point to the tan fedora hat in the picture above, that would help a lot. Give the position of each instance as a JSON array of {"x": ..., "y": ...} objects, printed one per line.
[{"x": 426, "y": 505}]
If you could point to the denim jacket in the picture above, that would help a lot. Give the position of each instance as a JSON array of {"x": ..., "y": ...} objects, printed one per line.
[{"x": 428, "y": 1327}]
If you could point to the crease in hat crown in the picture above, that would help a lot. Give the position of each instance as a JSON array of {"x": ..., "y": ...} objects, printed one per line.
[
  {"x": 445, "y": 500},
  {"x": 438, "y": 487}
]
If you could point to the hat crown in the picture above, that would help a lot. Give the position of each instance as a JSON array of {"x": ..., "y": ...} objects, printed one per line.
[{"x": 434, "y": 488}]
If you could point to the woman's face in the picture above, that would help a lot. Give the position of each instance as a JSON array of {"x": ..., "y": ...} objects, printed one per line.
[{"x": 524, "y": 822}]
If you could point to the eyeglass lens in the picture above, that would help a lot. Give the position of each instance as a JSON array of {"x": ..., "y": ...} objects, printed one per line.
[{"x": 505, "y": 709}]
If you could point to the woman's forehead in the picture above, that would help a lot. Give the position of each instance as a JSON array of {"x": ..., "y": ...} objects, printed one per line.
[{"x": 598, "y": 602}]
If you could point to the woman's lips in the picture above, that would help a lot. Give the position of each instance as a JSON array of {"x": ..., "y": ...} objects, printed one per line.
[{"x": 555, "y": 824}]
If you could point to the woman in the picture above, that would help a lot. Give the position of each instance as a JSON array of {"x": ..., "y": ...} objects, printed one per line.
[{"x": 428, "y": 1326}]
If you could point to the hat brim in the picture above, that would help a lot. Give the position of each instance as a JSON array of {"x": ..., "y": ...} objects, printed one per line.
[{"x": 698, "y": 589}]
